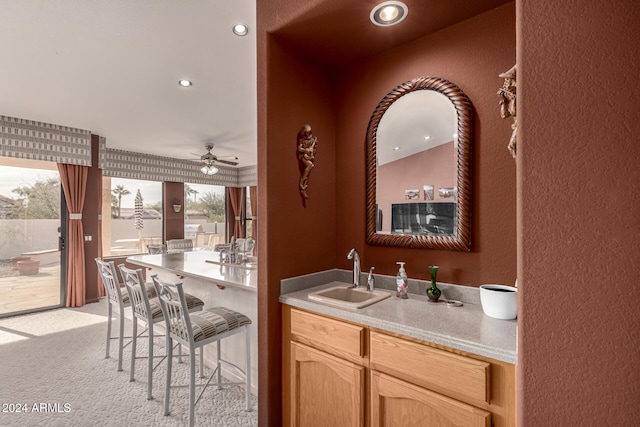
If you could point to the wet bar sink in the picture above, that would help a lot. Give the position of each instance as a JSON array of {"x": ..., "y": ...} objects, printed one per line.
[{"x": 344, "y": 295}]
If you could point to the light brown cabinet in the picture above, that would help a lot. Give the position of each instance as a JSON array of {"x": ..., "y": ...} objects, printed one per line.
[
  {"x": 326, "y": 390},
  {"x": 396, "y": 403},
  {"x": 338, "y": 373}
]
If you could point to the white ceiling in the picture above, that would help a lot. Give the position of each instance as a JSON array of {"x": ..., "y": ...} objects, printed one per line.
[
  {"x": 405, "y": 126},
  {"x": 112, "y": 67}
]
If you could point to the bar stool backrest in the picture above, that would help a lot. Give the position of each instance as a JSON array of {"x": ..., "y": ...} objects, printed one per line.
[
  {"x": 179, "y": 245},
  {"x": 134, "y": 282},
  {"x": 107, "y": 270},
  {"x": 174, "y": 310},
  {"x": 156, "y": 248},
  {"x": 249, "y": 244}
]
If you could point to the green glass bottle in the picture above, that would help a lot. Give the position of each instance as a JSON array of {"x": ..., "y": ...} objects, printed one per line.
[{"x": 433, "y": 292}]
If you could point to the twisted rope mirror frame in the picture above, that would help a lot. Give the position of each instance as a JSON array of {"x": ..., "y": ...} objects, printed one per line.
[{"x": 460, "y": 240}]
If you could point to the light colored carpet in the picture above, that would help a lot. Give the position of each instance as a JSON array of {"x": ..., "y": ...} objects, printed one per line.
[{"x": 52, "y": 365}]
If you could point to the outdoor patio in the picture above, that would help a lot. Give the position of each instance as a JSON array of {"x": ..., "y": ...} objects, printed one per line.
[{"x": 19, "y": 293}]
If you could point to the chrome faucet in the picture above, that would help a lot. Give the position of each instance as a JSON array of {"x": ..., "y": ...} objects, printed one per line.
[
  {"x": 229, "y": 254},
  {"x": 353, "y": 254},
  {"x": 370, "y": 286}
]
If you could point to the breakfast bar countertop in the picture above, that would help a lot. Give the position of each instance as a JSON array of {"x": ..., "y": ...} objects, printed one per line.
[
  {"x": 464, "y": 328},
  {"x": 201, "y": 265}
]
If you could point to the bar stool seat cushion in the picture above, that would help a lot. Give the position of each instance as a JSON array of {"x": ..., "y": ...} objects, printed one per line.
[
  {"x": 151, "y": 293},
  {"x": 156, "y": 309},
  {"x": 215, "y": 321}
]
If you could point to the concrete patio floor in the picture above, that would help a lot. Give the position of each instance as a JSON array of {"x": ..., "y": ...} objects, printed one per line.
[{"x": 19, "y": 293}]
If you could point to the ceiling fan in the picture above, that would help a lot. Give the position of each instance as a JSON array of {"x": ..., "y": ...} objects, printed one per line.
[{"x": 209, "y": 160}]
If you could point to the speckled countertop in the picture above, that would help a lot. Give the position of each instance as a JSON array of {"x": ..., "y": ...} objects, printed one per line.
[{"x": 464, "y": 328}]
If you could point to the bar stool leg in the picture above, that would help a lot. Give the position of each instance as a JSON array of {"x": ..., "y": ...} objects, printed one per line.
[
  {"x": 248, "y": 372},
  {"x": 120, "y": 341},
  {"x": 150, "y": 362},
  {"x": 202, "y": 362},
  {"x": 168, "y": 382},
  {"x": 192, "y": 386},
  {"x": 109, "y": 329},
  {"x": 134, "y": 344},
  {"x": 218, "y": 365}
]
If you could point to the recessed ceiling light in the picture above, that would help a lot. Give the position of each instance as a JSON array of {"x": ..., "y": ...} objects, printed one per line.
[
  {"x": 388, "y": 13},
  {"x": 240, "y": 29},
  {"x": 396, "y": 148},
  {"x": 427, "y": 137},
  {"x": 185, "y": 83}
]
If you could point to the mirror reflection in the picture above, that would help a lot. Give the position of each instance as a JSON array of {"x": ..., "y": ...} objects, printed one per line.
[
  {"x": 419, "y": 180},
  {"x": 416, "y": 176}
]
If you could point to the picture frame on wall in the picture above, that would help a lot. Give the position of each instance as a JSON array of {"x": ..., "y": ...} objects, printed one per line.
[
  {"x": 428, "y": 192},
  {"x": 412, "y": 194},
  {"x": 447, "y": 192}
]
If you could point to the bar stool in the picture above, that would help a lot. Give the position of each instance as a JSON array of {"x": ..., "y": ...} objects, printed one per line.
[
  {"x": 120, "y": 297},
  {"x": 156, "y": 248},
  {"x": 197, "y": 330},
  {"x": 179, "y": 245},
  {"x": 148, "y": 311}
]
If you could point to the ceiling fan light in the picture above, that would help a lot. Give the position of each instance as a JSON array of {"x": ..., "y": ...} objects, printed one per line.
[{"x": 209, "y": 169}]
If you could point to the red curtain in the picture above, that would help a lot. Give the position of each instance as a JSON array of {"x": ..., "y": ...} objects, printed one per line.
[
  {"x": 235, "y": 197},
  {"x": 74, "y": 184},
  {"x": 253, "y": 199}
]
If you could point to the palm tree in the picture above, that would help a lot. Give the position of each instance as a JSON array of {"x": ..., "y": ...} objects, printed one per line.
[
  {"x": 120, "y": 191},
  {"x": 188, "y": 191}
]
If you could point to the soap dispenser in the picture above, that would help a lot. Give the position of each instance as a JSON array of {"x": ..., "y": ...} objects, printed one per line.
[{"x": 401, "y": 282}]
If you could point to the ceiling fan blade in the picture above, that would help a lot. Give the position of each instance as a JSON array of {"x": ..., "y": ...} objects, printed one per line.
[
  {"x": 227, "y": 157},
  {"x": 227, "y": 162}
]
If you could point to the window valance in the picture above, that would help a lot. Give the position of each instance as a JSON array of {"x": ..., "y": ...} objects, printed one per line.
[
  {"x": 29, "y": 139},
  {"x": 131, "y": 165}
]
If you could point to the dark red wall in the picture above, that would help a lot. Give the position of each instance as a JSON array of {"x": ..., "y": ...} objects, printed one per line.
[
  {"x": 579, "y": 213},
  {"x": 91, "y": 224},
  {"x": 173, "y": 222},
  {"x": 300, "y": 235},
  {"x": 293, "y": 89},
  {"x": 471, "y": 55}
]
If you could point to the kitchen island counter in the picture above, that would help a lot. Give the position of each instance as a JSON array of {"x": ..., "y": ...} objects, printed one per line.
[{"x": 201, "y": 265}]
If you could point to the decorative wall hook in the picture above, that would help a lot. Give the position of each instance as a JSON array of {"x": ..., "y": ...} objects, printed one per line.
[
  {"x": 507, "y": 94},
  {"x": 307, "y": 146}
]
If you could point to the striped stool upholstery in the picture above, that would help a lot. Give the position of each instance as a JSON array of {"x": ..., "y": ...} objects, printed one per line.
[
  {"x": 148, "y": 311},
  {"x": 197, "y": 330},
  {"x": 126, "y": 299},
  {"x": 215, "y": 321},
  {"x": 193, "y": 304}
]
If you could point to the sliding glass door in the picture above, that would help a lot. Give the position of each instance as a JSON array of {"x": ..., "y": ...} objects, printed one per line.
[{"x": 32, "y": 232}]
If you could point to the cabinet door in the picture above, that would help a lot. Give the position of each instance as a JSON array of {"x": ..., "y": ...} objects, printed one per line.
[
  {"x": 325, "y": 391},
  {"x": 400, "y": 404}
]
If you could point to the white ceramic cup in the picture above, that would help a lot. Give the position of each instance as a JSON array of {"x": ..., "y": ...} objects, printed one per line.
[{"x": 499, "y": 301}]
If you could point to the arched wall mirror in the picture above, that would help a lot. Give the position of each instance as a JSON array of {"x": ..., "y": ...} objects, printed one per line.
[{"x": 419, "y": 143}]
